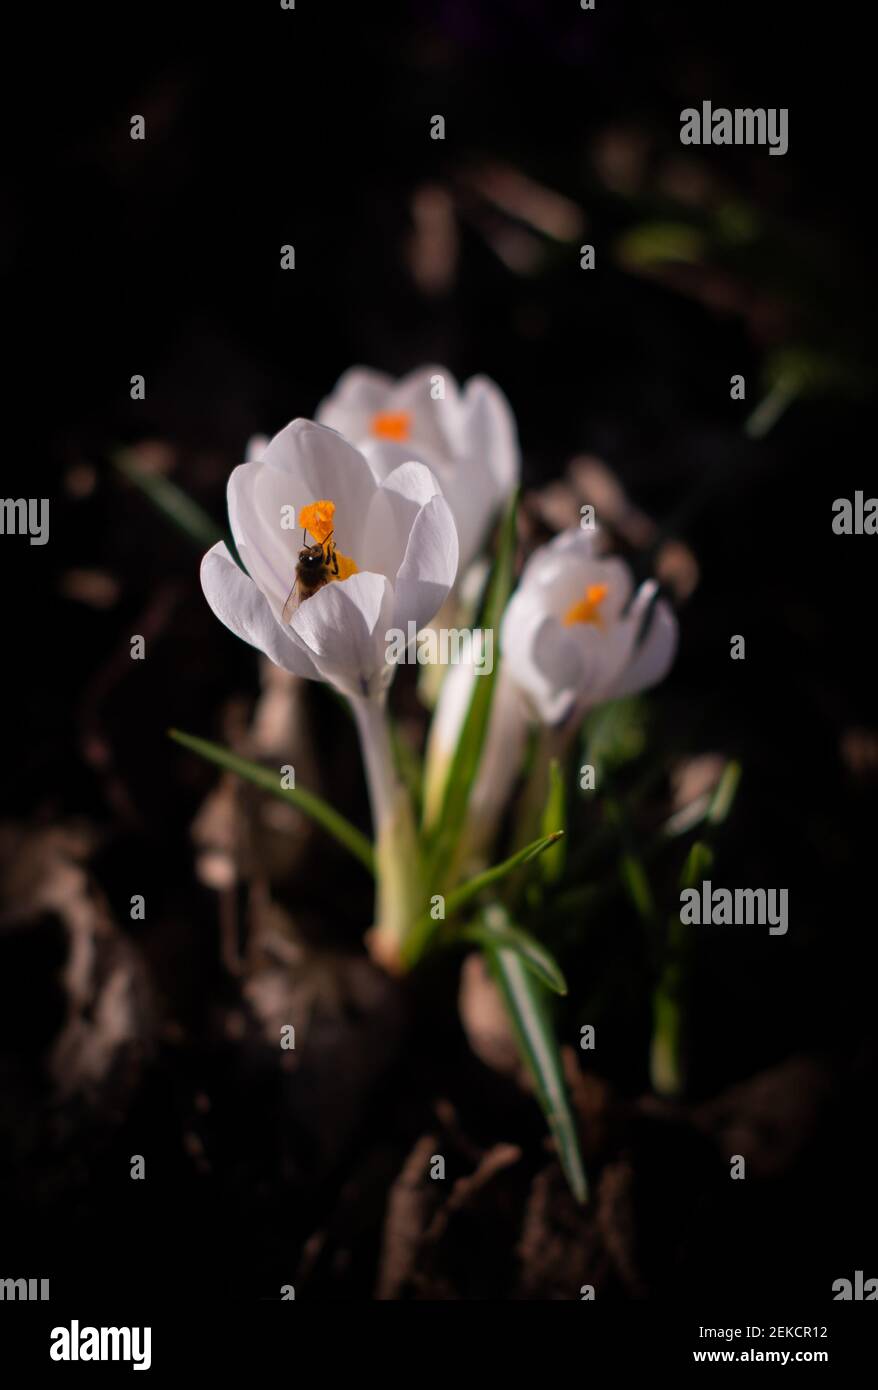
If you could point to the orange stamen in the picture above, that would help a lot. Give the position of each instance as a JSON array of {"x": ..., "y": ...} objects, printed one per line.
[
  {"x": 585, "y": 610},
  {"x": 317, "y": 518},
  {"x": 392, "y": 424}
]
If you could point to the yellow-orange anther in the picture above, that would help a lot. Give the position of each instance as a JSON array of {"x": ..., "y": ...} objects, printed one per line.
[
  {"x": 392, "y": 424},
  {"x": 317, "y": 518},
  {"x": 586, "y": 610}
]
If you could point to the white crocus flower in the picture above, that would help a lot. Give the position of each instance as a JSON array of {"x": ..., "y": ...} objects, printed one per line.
[
  {"x": 467, "y": 436},
  {"x": 396, "y": 545},
  {"x": 572, "y": 637},
  {"x": 575, "y": 633},
  {"x": 395, "y": 550}
]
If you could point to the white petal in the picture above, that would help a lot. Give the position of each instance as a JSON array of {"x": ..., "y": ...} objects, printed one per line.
[
  {"x": 385, "y": 455},
  {"x": 468, "y": 439},
  {"x": 483, "y": 464},
  {"x": 652, "y": 659},
  {"x": 391, "y": 516},
  {"x": 304, "y": 463},
  {"x": 358, "y": 395},
  {"x": 434, "y": 422},
  {"x": 429, "y": 568},
  {"x": 470, "y": 493},
  {"x": 562, "y": 582},
  {"x": 520, "y": 621},
  {"x": 556, "y": 670},
  {"x": 345, "y": 626},
  {"x": 502, "y": 756},
  {"x": 322, "y": 464},
  {"x": 490, "y": 433},
  {"x": 605, "y": 655},
  {"x": 239, "y": 604},
  {"x": 455, "y": 694},
  {"x": 542, "y": 659},
  {"x": 571, "y": 549},
  {"x": 617, "y": 577},
  {"x": 268, "y": 552}
]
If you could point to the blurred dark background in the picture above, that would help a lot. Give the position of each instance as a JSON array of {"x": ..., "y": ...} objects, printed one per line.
[{"x": 311, "y": 127}]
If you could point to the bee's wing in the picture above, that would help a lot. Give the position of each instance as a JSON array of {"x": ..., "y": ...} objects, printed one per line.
[{"x": 292, "y": 602}]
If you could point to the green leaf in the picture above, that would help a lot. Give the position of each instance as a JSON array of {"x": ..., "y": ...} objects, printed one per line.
[
  {"x": 451, "y": 822},
  {"x": 173, "y": 502},
  {"x": 725, "y": 793},
  {"x": 467, "y": 891},
  {"x": 426, "y": 928},
  {"x": 699, "y": 862},
  {"x": 526, "y": 1004},
  {"x": 308, "y": 802},
  {"x": 495, "y": 929},
  {"x": 636, "y": 881},
  {"x": 554, "y": 815},
  {"x": 668, "y": 1045}
]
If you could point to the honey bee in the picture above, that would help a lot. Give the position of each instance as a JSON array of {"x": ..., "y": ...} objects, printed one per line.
[{"x": 317, "y": 565}]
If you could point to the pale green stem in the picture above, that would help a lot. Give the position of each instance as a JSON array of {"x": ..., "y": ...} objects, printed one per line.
[
  {"x": 551, "y": 743},
  {"x": 667, "y": 1052},
  {"x": 399, "y": 898}
]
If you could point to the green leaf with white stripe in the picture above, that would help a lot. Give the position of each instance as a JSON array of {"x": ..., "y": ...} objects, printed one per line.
[{"x": 526, "y": 1004}]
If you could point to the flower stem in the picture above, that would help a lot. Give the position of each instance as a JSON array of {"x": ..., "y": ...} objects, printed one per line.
[
  {"x": 370, "y": 714},
  {"x": 552, "y": 745},
  {"x": 399, "y": 899},
  {"x": 667, "y": 1053}
]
